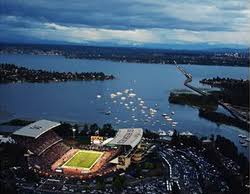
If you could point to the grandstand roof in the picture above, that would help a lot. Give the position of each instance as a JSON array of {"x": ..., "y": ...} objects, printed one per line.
[
  {"x": 129, "y": 136},
  {"x": 37, "y": 128},
  {"x": 107, "y": 141}
]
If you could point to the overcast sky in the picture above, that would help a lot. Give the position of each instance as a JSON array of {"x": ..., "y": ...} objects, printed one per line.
[{"x": 126, "y": 22}]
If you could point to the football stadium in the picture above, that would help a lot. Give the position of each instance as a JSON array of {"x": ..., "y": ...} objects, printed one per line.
[{"x": 48, "y": 153}]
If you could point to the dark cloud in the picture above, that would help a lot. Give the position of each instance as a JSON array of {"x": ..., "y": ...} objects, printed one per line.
[
  {"x": 187, "y": 15},
  {"x": 121, "y": 14}
]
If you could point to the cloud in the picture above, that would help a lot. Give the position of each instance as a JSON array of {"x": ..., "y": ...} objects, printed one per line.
[{"x": 128, "y": 22}]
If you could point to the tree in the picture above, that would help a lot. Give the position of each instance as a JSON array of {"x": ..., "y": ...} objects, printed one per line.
[
  {"x": 175, "y": 138},
  {"x": 85, "y": 127},
  {"x": 93, "y": 128},
  {"x": 118, "y": 183},
  {"x": 107, "y": 130}
]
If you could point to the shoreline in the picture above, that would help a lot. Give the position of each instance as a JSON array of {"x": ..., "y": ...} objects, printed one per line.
[
  {"x": 165, "y": 57},
  {"x": 11, "y": 73}
]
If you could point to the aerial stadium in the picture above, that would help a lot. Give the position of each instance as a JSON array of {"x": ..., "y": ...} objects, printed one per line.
[{"x": 48, "y": 153}]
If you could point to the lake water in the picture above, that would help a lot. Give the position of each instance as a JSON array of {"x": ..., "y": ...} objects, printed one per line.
[{"x": 78, "y": 102}]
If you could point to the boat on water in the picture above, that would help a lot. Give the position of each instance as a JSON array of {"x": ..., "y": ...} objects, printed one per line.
[
  {"x": 172, "y": 113},
  {"x": 162, "y": 133},
  {"x": 170, "y": 133},
  {"x": 242, "y": 136},
  {"x": 126, "y": 91},
  {"x": 108, "y": 112},
  {"x": 112, "y": 95},
  {"x": 164, "y": 115},
  {"x": 242, "y": 141},
  {"x": 186, "y": 133},
  {"x": 132, "y": 95}
]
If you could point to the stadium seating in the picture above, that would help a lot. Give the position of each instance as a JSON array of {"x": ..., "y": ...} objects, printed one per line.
[{"x": 46, "y": 149}]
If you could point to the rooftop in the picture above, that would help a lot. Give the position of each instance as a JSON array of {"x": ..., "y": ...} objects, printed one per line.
[
  {"x": 36, "y": 129},
  {"x": 129, "y": 136}
]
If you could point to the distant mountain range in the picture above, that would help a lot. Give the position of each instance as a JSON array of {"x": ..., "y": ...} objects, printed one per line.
[{"x": 187, "y": 46}]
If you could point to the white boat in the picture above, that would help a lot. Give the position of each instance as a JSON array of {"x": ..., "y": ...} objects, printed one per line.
[
  {"x": 108, "y": 112},
  {"x": 98, "y": 96},
  {"x": 112, "y": 95},
  {"x": 186, "y": 133},
  {"x": 132, "y": 95},
  {"x": 189, "y": 133},
  {"x": 152, "y": 110},
  {"x": 164, "y": 115},
  {"x": 172, "y": 113},
  {"x": 126, "y": 91},
  {"x": 123, "y": 98},
  {"x": 162, "y": 133},
  {"x": 242, "y": 141},
  {"x": 242, "y": 136},
  {"x": 118, "y": 93},
  {"x": 170, "y": 133},
  {"x": 175, "y": 123}
]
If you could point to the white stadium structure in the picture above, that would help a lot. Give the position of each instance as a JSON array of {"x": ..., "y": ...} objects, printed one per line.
[{"x": 128, "y": 140}]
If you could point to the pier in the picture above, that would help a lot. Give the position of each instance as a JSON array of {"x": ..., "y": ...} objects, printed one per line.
[{"x": 235, "y": 113}]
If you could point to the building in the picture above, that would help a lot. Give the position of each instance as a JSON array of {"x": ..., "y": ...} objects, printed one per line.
[
  {"x": 128, "y": 140},
  {"x": 96, "y": 139},
  {"x": 43, "y": 145},
  {"x": 36, "y": 129}
]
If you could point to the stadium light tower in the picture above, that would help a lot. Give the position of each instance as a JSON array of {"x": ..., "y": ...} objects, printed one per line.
[{"x": 73, "y": 131}]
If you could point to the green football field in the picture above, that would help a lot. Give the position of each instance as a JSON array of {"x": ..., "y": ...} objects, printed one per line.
[{"x": 83, "y": 159}]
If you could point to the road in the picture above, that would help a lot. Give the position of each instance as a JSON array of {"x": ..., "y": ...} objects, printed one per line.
[{"x": 226, "y": 106}]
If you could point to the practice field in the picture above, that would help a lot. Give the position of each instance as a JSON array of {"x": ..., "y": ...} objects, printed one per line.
[{"x": 84, "y": 159}]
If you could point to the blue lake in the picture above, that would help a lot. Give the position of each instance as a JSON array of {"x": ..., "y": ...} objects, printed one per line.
[{"x": 78, "y": 102}]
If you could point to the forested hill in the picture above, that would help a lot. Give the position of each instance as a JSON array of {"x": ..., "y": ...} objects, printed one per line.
[{"x": 223, "y": 57}]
